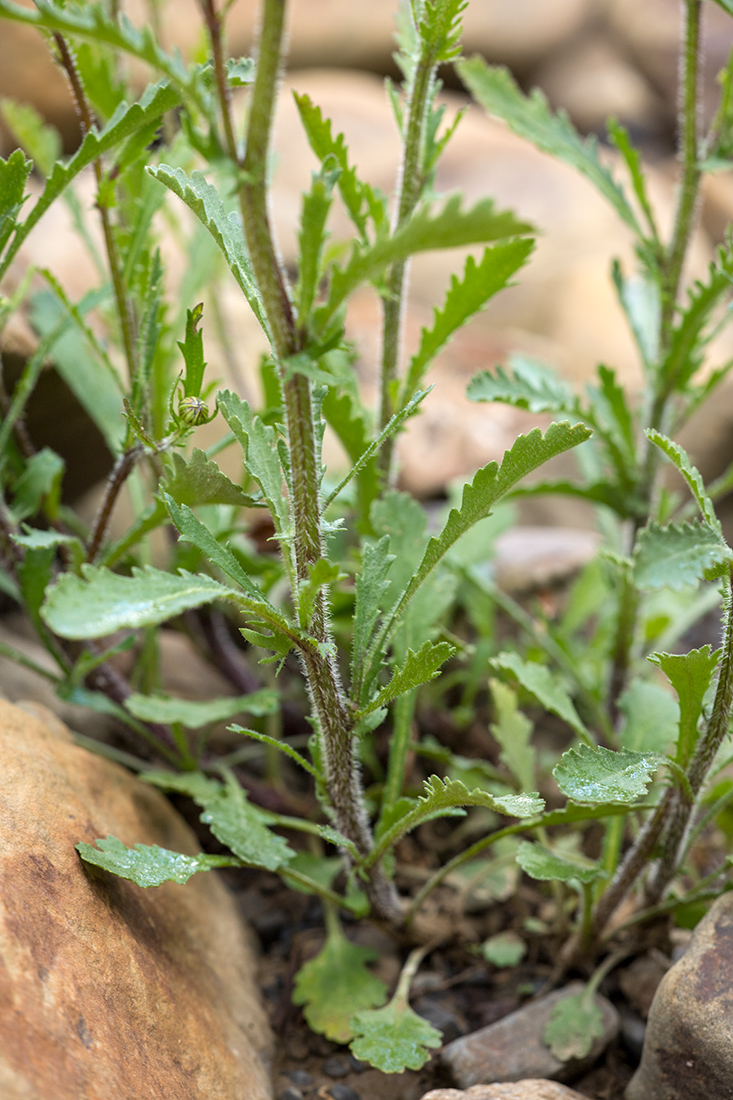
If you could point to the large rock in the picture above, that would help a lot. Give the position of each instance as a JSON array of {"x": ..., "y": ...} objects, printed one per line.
[
  {"x": 688, "y": 1049},
  {"x": 518, "y": 1090},
  {"x": 108, "y": 990}
]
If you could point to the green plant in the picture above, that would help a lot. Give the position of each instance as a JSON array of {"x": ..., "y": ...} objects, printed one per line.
[{"x": 359, "y": 593}]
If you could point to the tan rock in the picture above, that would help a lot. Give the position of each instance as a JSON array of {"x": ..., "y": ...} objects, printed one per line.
[
  {"x": 106, "y": 989},
  {"x": 688, "y": 1048},
  {"x": 518, "y": 1090}
]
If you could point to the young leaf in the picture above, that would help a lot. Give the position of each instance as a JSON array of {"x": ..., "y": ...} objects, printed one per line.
[
  {"x": 147, "y": 864},
  {"x": 601, "y": 775},
  {"x": 451, "y": 227},
  {"x": 371, "y": 587},
  {"x": 14, "y": 173},
  {"x": 619, "y": 136},
  {"x": 311, "y": 239},
  {"x": 204, "y": 200},
  {"x": 200, "y": 481},
  {"x": 505, "y": 949},
  {"x": 677, "y": 556},
  {"x": 336, "y": 984},
  {"x": 546, "y": 688},
  {"x": 464, "y": 298},
  {"x": 100, "y": 602},
  {"x": 546, "y": 866},
  {"x": 652, "y": 717},
  {"x": 513, "y": 731},
  {"x": 192, "y": 350},
  {"x": 690, "y": 675},
  {"x": 417, "y": 669},
  {"x": 528, "y": 385},
  {"x": 155, "y": 102},
  {"x": 393, "y": 1038},
  {"x": 531, "y": 117},
  {"x": 575, "y": 1021},
  {"x": 195, "y": 714},
  {"x": 690, "y": 473},
  {"x": 690, "y": 336}
]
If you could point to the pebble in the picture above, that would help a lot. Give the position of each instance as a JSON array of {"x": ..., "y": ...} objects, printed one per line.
[
  {"x": 290, "y": 1094},
  {"x": 447, "y": 1022},
  {"x": 340, "y": 1092},
  {"x": 513, "y": 1050},
  {"x": 688, "y": 1049},
  {"x": 300, "y": 1077},
  {"x": 338, "y": 1066},
  {"x": 517, "y": 1090}
]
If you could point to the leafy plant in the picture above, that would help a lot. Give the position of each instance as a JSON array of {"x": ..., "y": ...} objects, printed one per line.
[{"x": 352, "y": 591}]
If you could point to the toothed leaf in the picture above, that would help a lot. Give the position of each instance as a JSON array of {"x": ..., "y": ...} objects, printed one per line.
[
  {"x": 602, "y": 775},
  {"x": 148, "y": 864}
]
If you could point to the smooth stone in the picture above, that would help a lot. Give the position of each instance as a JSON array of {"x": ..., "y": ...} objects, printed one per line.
[
  {"x": 527, "y": 558},
  {"x": 517, "y": 1090},
  {"x": 512, "y": 1049},
  {"x": 107, "y": 989},
  {"x": 688, "y": 1049}
]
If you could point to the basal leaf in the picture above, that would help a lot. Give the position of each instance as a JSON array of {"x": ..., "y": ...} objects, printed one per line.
[
  {"x": 147, "y": 864},
  {"x": 100, "y": 602},
  {"x": 690, "y": 675},
  {"x": 194, "y": 713},
  {"x": 465, "y": 297},
  {"x": 336, "y": 984},
  {"x": 546, "y": 866},
  {"x": 546, "y": 688},
  {"x": 601, "y": 775},
  {"x": 528, "y": 384},
  {"x": 451, "y": 227},
  {"x": 679, "y": 457},
  {"x": 127, "y": 120},
  {"x": 676, "y": 556},
  {"x": 652, "y": 718},
  {"x": 202, "y": 198},
  {"x": 575, "y": 1022},
  {"x": 531, "y": 117},
  {"x": 393, "y": 1038},
  {"x": 505, "y": 949},
  {"x": 513, "y": 731},
  {"x": 417, "y": 669},
  {"x": 200, "y": 481}
]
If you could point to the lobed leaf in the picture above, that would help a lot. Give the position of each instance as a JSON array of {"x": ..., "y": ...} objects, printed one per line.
[
  {"x": 199, "y": 480},
  {"x": 464, "y": 298},
  {"x": 100, "y": 602},
  {"x": 14, "y": 173},
  {"x": 679, "y": 457},
  {"x": 417, "y": 669},
  {"x": 679, "y": 555},
  {"x": 336, "y": 984},
  {"x": 690, "y": 675},
  {"x": 193, "y": 714},
  {"x": 602, "y": 775},
  {"x": 575, "y": 1022},
  {"x": 528, "y": 384},
  {"x": 546, "y": 689},
  {"x": 530, "y": 116},
  {"x": 393, "y": 1038},
  {"x": 546, "y": 866},
  {"x": 148, "y": 864}
]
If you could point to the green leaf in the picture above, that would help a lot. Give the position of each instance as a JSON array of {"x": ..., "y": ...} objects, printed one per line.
[
  {"x": 393, "y": 1038},
  {"x": 417, "y": 669},
  {"x": 320, "y": 573},
  {"x": 677, "y": 556},
  {"x": 464, "y": 298},
  {"x": 451, "y": 227},
  {"x": 127, "y": 120},
  {"x": 513, "y": 731},
  {"x": 528, "y": 384},
  {"x": 259, "y": 443},
  {"x": 362, "y": 202},
  {"x": 601, "y": 775},
  {"x": 489, "y": 484},
  {"x": 41, "y": 142},
  {"x": 640, "y": 301},
  {"x": 440, "y": 29},
  {"x": 100, "y": 602},
  {"x": 575, "y": 1021},
  {"x": 494, "y": 88},
  {"x": 195, "y": 714},
  {"x": 147, "y": 864},
  {"x": 337, "y": 983},
  {"x": 281, "y": 746},
  {"x": 505, "y": 949},
  {"x": 312, "y": 238},
  {"x": 232, "y": 819},
  {"x": 546, "y": 866},
  {"x": 40, "y": 480},
  {"x": 619, "y": 136},
  {"x": 698, "y": 323},
  {"x": 240, "y": 71},
  {"x": 200, "y": 481},
  {"x": 679, "y": 457},
  {"x": 546, "y": 689},
  {"x": 14, "y": 173},
  {"x": 690, "y": 675},
  {"x": 371, "y": 586},
  {"x": 202, "y": 198},
  {"x": 192, "y": 350},
  {"x": 652, "y": 718}
]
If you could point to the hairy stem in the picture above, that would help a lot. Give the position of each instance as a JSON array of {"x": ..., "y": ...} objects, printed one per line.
[{"x": 120, "y": 472}]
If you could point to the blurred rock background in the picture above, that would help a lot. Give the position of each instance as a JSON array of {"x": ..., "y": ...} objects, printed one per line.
[{"x": 593, "y": 58}]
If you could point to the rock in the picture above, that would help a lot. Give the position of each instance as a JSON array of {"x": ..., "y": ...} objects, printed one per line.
[
  {"x": 518, "y": 1090},
  {"x": 688, "y": 1049},
  {"x": 640, "y": 980},
  {"x": 528, "y": 558},
  {"x": 109, "y": 990},
  {"x": 512, "y": 1049}
]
